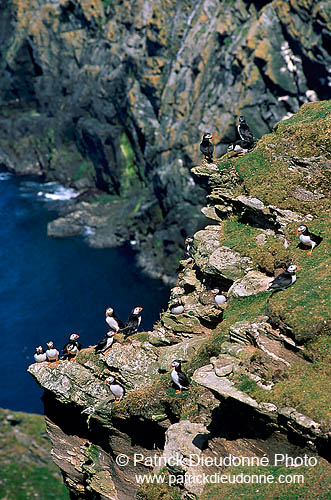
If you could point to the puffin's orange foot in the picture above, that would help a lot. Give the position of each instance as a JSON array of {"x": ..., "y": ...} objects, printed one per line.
[
  {"x": 117, "y": 401},
  {"x": 178, "y": 392},
  {"x": 310, "y": 252}
]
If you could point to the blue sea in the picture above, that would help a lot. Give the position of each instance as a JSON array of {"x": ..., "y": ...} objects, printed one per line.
[{"x": 52, "y": 287}]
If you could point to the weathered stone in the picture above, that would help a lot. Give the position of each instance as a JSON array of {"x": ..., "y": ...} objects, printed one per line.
[
  {"x": 222, "y": 366},
  {"x": 253, "y": 282},
  {"x": 184, "y": 441},
  {"x": 184, "y": 351},
  {"x": 207, "y": 377},
  {"x": 70, "y": 383},
  {"x": 136, "y": 361}
]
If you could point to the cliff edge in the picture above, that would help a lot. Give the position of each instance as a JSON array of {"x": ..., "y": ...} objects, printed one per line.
[{"x": 258, "y": 364}]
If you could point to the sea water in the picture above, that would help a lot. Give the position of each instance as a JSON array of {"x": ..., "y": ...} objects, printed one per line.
[{"x": 52, "y": 287}]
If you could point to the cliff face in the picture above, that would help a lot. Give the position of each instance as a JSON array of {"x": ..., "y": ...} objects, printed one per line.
[
  {"x": 113, "y": 97},
  {"x": 258, "y": 365}
]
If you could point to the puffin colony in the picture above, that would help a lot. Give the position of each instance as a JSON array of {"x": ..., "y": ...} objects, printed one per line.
[{"x": 307, "y": 240}]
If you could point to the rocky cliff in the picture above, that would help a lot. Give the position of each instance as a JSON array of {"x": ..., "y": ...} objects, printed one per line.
[
  {"x": 258, "y": 364},
  {"x": 112, "y": 98}
]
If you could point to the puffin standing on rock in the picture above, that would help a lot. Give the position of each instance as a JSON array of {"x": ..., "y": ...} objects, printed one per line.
[
  {"x": 219, "y": 298},
  {"x": 176, "y": 306},
  {"x": 132, "y": 323},
  {"x": 52, "y": 354},
  {"x": 40, "y": 355},
  {"x": 105, "y": 343},
  {"x": 285, "y": 279},
  {"x": 115, "y": 388},
  {"x": 245, "y": 132},
  {"x": 206, "y": 147},
  {"x": 112, "y": 320},
  {"x": 308, "y": 239},
  {"x": 189, "y": 248},
  {"x": 71, "y": 348},
  {"x": 178, "y": 377},
  {"x": 240, "y": 147}
]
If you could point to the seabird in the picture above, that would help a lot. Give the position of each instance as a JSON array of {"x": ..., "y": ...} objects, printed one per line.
[
  {"x": 285, "y": 279},
  {"x": 206, "y": 147},
  {"x": 176, "y": 306},
  {"x": 105, "y": 343},
  {"x": 178, "y": 377},
  {"x": 72, "y": 347},
  {"x": 112, "y": 320},
  {"x": 308, "y": 239},
  {"x": 115, "y": 388},
  {"x": 52, "y": 354},
  {"x": 132, "y": 323},
  {"x": 40, "y": 355}
]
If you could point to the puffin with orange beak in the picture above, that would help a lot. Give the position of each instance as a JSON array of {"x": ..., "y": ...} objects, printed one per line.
[
  {"x": 285, "y": 279},
  {"x": 207, "y": 147},
  {"x": 178, "y": 377},
  {"x": 116, "y": 389},
  {"x": 72, "y": 347},
  {"x": 112, "y": 320},
  {"x": 308, "y": 239},
  {"x": 132, "y": 323}
]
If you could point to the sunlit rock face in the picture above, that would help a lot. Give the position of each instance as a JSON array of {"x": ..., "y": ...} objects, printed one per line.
[{"x": 113, "y": 98}]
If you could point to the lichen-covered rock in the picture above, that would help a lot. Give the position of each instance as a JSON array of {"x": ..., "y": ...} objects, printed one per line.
[
  {"x": 70, "y": 383},
  {"x": 213, "y": 258},
  {"x": 184, "y": 351},
  {"x": 207, "y": 377},
  {"x": 253, "y": 282},
  {"x": 183, "y": 445},
  {"x": 135, "y": 361}
]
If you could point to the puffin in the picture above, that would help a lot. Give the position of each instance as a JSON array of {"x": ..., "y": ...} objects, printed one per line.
[
  {"x": 219, "y": 298},
  {"x": 189, "y": 247},
  {"x": 308, "y": 239},
  {"x": 52, "y": 354},
  {"x": 285, "y": 279},
  {"x": 115, "y": 388},
  {"x": 105, "y": 343},
  {"x": 178, "y": 377},
  {"x": 71, "y": 348},
  {"x": 176, "y": 306},
  {"x": 132, "y": 323},
  {"x": 245, "y": 132},
  {"x": 207, "y": 147},
  {"x": 40, "y": 355},
  {"x": 240, "y": 147},
  {"x": 112, "y": 320}
]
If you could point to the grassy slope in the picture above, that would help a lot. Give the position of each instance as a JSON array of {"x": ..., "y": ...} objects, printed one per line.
[
  {"x": 26, "y": 467},
  {"x": 305, "y": 307}
]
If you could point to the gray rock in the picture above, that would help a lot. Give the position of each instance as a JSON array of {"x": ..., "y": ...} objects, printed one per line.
[
  {"x": 136, "y": 362},
  {"x": 183, "y": 351},
  {"x": 253, "y": 282},
  {"x": 207, "y": 377}
]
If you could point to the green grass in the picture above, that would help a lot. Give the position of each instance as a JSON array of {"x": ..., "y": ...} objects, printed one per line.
[
  {"x": 26, "y": 467},
  {"x": 315, "y": 486},
  {"x": 265, "y": 172},
  {"x": 24, "y": 482}
]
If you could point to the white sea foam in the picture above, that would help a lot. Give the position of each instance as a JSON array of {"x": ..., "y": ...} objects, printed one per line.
[
  {"x": 88, "y": 230},
  {"x": 4, "y": 176},
  {"x": 50, "y": 191}
]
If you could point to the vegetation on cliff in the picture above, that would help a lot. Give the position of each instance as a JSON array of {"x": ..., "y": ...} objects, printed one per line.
[
  {"x": 112, "y": 98},
  {"x": 26, "y": 467},
  {"x": 258, "y": 365}
]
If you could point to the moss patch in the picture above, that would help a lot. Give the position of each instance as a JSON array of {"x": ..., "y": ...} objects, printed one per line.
[
  {"x": 26, "y": 467},
  {"x": 313, "y": 484}
]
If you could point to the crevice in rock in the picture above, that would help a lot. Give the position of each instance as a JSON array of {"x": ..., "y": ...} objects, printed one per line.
[
  {"x": 256, "y": 219},
  {"x": 144, "y": 433}
]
